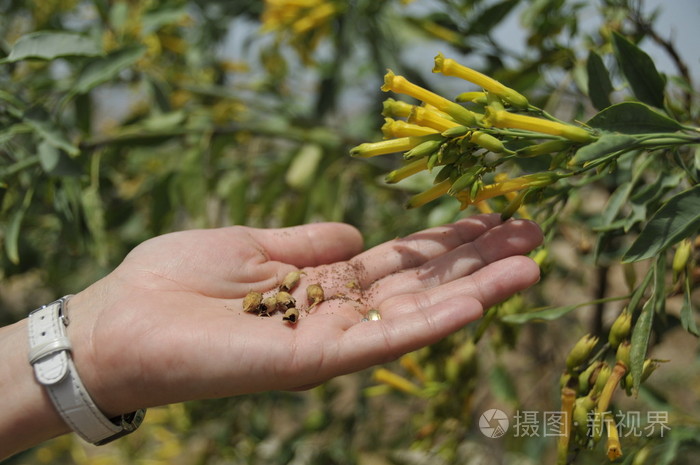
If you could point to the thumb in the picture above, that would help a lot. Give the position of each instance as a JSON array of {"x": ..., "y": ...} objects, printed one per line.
[{"x": 311, "y": 244}]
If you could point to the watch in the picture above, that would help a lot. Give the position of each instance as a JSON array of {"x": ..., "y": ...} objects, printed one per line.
[{"x": 49, "y": 353}]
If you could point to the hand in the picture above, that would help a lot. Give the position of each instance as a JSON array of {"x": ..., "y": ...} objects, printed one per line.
[{"x": 167, "y": 325}]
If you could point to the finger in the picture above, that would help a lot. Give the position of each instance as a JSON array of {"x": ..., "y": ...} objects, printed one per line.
[
  {"x": 508, "y": 239},
  {"x": 420, "y": 247},
  {"x": 489, "y": 286},
  {"x": 311, "y": 244}
]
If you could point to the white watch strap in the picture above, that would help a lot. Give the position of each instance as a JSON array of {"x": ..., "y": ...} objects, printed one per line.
[{"x": 49, "y": 350}]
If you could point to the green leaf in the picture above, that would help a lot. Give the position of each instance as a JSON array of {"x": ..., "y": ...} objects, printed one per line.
[
  {"x": 490, "y": 17},
  {"x": 687, "y": 312},
  {"x": 38, "y": 119},
  {"x": 640, "y": 71},
  {"x": 106, "y": 68},
  {"x": 677, "y": 219},
  {"x": 640, "y": 343},
  {"x": 605, "y": 145},
  {"x": 633, "y": 118},
  {"x": 599, "y": 85},
  {"x": 49, "y": 156},
  {"x": 547, "y": 314},
  {"x": 47, "y": 45},
  {"x": 13, "y": 228}
]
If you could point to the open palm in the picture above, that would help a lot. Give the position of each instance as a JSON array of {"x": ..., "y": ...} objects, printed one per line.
[{"x": 167, "y": 325}]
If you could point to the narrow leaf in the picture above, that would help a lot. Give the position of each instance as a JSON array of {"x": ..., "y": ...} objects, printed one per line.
[
  {"x": 106, "y": 68},
  {"x": 640, "y": 343},
  {"x": 47, "y": 45},
  {"x": 633, "y": 118},
  {"x": 39, "y": 120},
  {"x": 640, "y": 71},
  {"x": 599, "y": 85},
  {"x": 677, "y": 219},
  {"x": 605, "y": 145},
  {"x": 687, "y": 312},
  {"x": 547, "y": 314}
]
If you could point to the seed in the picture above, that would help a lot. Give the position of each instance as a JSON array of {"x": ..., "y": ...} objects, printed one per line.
[
  {"x": 315, "y": 294},
  {"x": 291, "y": 315},
  {"x": 291, "y": 280},
  {"x": 269, "y": 306},
  {"x": 374, "y": 315},
  {"x": 252, "y": 301},
  {"x": 284, "y": 299}
]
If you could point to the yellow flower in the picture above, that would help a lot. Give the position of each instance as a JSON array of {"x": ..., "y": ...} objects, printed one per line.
[
  {"x": 614, "y": 449},
  {"x": 407, "y": 170},
  {"x": 449, "y": 67},
  {"x": 505, "y": 119},
  {"x": 396, "y": 108},
  {"x": 401, "y": 144},
  {"x": 430, "y": 118},
  {"x": 431, "y": 194},
  {"x": 382, "y": 375},
  {"x": 401, "y": 85},
  {"x": 509, "y": 185},
  {"x": 397, "y": 128}
]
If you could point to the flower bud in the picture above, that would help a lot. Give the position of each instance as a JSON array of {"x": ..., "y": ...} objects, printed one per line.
[
  {"x": 396, "y": 108},
  {"x": 601, "y": 379},
  {"x": 581, "y": 351},
  {"x": 620, "y": 329},
  {"x": 423, "y": 149},
  {"x": 681, "y": 257},
  {"x": 583, "y": 406},
  {"x": 544, "y": 148},
  {"x": 623, "y": 353},
  {"x": 588, "y": 376}
]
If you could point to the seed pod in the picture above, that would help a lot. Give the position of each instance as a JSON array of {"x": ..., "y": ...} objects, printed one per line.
[
  {"x": 291, "y": 280},
  {"x": 268, "y": 306},
  {"x": 285, "y": 300},
  {"x": 252, "y": 301},
  {"x": 315, "y": 295},
  {"x": 291, "y": 315}
]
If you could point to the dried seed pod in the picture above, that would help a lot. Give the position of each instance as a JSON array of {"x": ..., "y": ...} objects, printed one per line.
[
  {"x": 315, "y": 295},
  {"x": 291, "y": 280},
  {"x": 252, "y": 301},
  {"x": 291, "y": 315},
  {"x": 268, "y": 306},
  {"x": 285, "y": 300}
]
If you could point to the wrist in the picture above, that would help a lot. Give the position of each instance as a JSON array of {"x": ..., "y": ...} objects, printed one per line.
[{"x": 29, "y": 416}]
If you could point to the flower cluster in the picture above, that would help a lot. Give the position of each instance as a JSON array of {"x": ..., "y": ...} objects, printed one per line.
[
  {"x": 444, "y": 133},
  {"x": 302, "y": 22}
]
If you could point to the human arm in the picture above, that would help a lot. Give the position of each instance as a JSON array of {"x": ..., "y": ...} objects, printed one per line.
[{"x": 167, "y": 325}]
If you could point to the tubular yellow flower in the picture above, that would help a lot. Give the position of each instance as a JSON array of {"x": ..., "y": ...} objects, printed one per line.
[
  {"x": 431, "y": 194},
  {"x": 396, "y": 108},
  {"x": 317, "y": 16},
  {"x": 506, "y": 119},
  {"x": 410, "y": 363},
  {"x": 510, "y": 185},
  {"x": 619, "y": 370},
  {"x": 401, "y": 85},
  {"x": 475, "y": 97},
  {"x": 614, "y": 449},
  {"x": 405, "y": 171},
  {"x": 382, "y": 375},
  {"x": 397, "y": 128},
  {"x": 449, "y": 67},
  {"x": 372, "y": 149},
  {"x": 568, "y": 397},
  {"x": 487, "y": 141},
  {"x": 430, "y": 118}
]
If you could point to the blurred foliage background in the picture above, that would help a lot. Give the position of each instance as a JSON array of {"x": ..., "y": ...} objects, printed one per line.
[{"x": 121, "y": 120}]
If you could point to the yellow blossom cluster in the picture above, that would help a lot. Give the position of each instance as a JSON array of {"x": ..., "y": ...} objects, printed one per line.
[
  {"x": 438, "y": 132},
  {"x": 303, "y": 23}
]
